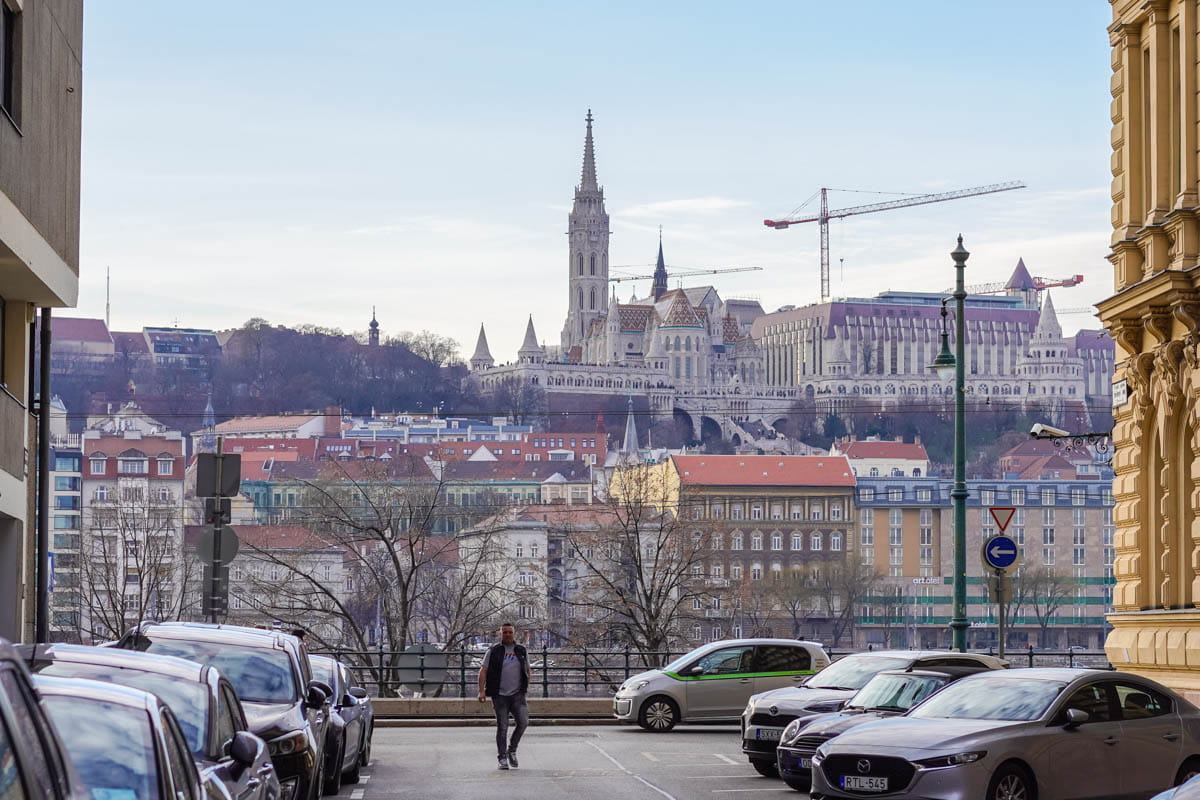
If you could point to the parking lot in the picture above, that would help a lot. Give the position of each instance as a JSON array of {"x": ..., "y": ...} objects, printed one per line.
[{"x": 576, "y": 762}]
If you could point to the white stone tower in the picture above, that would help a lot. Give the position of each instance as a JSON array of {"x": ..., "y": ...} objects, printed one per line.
[{"x": 587, "y": 230}]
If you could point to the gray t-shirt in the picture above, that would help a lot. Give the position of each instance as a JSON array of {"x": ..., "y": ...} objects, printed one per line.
[{"x": 510, "y": 672}]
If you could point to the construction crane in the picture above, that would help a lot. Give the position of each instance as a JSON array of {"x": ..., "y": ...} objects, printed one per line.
[
  {"x": 687, "y": 273},
  {"x": 916, "y": 200},
  {"x": 1038, "y": 283}
]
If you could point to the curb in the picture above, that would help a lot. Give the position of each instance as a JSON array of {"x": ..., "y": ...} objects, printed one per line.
[{"x": 486, "y": 722}]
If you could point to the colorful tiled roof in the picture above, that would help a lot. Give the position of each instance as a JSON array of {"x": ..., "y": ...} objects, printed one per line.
[
  {"x": 731, "y": 330},
  {"x": 735, "y": 470},
  {"x": 681, "y": 314},
  {"x": 634, "y": 318}
]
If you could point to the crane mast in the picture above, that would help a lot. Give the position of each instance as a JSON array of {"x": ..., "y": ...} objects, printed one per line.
[{"x": 825, "y": 215}]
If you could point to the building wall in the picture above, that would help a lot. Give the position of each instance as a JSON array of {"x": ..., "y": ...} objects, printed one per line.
[{"x": 1154, "y": 316}]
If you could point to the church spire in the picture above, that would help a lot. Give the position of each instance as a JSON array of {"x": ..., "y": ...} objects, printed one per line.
[
  {"x": 660, "y": 271},
  {"x": 531, "y": 352},
  {"x": 1047, "y": 325},
  {"x": 588, "y": 181},
  {"x": 482, "y": 359},
  {"x": 630, "y": 447}
]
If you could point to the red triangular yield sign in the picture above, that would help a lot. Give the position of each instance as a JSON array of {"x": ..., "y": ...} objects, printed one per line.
[{"x": 1002, "y": 515}]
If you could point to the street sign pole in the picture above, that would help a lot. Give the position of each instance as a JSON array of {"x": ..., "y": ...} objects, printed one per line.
[
  {"x": 1000, "y": 576},
  {"x": 214, "y": 584}
]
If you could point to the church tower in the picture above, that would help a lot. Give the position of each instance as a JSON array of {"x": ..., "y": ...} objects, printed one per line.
[{"x": 587, "y": 265}]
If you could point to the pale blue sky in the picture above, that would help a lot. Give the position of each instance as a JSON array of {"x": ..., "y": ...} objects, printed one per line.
[{"x": 303, "y": 161}]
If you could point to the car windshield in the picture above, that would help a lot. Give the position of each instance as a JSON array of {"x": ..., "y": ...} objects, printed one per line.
[
  {"x": 991, "y": 698},
  {"x": 188, "y": 699},
  {"x": 853, "y": 672},
  {"x": 258, "y": 674},
  {"x": 111, "y": 745},
  {"x": 324, "y": 670},
  {"x": 896, "y": 692}
]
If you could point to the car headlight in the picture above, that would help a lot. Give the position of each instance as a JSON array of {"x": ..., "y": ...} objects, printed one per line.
[
  {"x": 952, "y": 760},
  {"x": 641, "y": 685},
  {"x": 790, "y": 732},
  {"x": 287, "y": 744}
]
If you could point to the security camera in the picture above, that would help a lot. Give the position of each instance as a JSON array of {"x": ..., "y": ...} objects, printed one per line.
[{"x": 1041, "y": 431}]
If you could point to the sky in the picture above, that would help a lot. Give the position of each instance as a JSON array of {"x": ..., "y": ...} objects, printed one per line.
[{"x": 305, "y": 162}]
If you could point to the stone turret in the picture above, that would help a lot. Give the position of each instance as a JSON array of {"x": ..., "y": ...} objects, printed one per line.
[
  {"x": 482, "y": 359},
  {"x": 531, "y": 352}
]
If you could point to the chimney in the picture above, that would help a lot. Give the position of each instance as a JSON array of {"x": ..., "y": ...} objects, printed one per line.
[
  {"x": 333, "y": 422},
  {"x": 916, "y": 438}
]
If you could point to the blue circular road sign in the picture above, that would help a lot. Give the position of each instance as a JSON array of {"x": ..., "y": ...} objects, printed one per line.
[{"x": 1000, "y": 552}]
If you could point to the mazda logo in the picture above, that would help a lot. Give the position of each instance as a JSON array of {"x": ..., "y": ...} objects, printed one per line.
[
  {"x": 774, "y": 710},
  {"x": 864, "y": 766}
]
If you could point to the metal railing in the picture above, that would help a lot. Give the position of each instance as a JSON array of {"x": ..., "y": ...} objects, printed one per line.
[{"x": 578, "y": 672}]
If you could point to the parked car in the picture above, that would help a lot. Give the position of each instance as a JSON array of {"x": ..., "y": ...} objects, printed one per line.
[
  {"x": 712, "y": 683},
  {"x": 1049, "y": 732},
  {"x": 34, "y": 762},
  {"x": 124, "y": 743},
  {"x": 768, "y": 713},
  {"x": 272, "y": 675},
  {"x": 886, "y": 695},
  {"x": 1188, "y": 790},
  {"x": 355, "y": 717},
  {"x": 205, "y": 705}
]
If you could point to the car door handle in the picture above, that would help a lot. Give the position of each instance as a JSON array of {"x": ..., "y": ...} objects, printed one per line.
[
  {"x": 266, "y": 769},
  {"x": 744, "y": 680},
  {"x": 1111, "y": 740},
  {"x": 1171, "y": 737}
]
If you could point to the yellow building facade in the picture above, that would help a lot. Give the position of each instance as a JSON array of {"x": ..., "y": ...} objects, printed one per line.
[{"x": 1154, "y": 316}]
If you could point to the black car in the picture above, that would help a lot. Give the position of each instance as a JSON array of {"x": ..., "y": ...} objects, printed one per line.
[
  {"x": 123, "y": 742},
  {"x": 33, "y": 759},
  {"x": 888, "y": 694},
  {"x": 205, "y": 705},
  {"x": 273, "y": 678},
  {"x": 353, "y": 721}
]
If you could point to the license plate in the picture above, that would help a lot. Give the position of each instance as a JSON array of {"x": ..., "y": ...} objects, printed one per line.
[
  {"x": 805, "y": 763},
  {"x": 767, "y": 734},
  {"x": 861, "y": 784}
]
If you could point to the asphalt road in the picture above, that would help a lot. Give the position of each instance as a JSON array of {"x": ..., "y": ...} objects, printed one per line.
[{"x": 575, "y": 762}]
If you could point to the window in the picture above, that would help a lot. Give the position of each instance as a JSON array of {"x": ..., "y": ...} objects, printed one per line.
[
  {"x": 718, "y": 571},
  {"x": 1018, "y": 497},
  {"x": 866, "y": 495},
  {"x": 533, "y": 550},
  {"x": 797, "y": 511},
  {"x": 987, "y": 497},
  {"x": 1077, "y": 556},
  {"x": 756, "y": 572},
  {"x": 814, "y": 542},
  {"x": 717, "y": 541},
  {"x": 716, "y": 511},
  {"x": 835, "y": 542},
  {"x": 1078, "y": 496},
  {"x": 1047, "y": 516},
  {"x": 780, "y": 658},
  {"x": 131, "y": 466},
  {"x": 696, "y": 604},
  {"x": 776, "y": 541},
  {"x": 756, "y": 511},
  {"x": 1048, "y": 556},
  {"x": 777, "y": 511},
  {"x": 895, "y": 535},
  {"x": 166, "y": 466},
  {"x": 835, "y": 509},
  {"x": 797, "y": 541},
  {"x": 1048, "y": 497},
  {"x": 896, "y": 556},
  {"x": 895, "y": 516},
  {"x": 735, "y": 511},
  {"x": 63, "y": 522},
  {"x": 43, "y": 763},
  {"x": 735, "y": 571},
  {"x": 8, "y": 61},
  {"x": 1048, "y": 536},
  {"x": 1139, "y": 702},
  {"x": 1094, "y": 700},
  {"x": 926, "y": 556},
  {"x": 756, "y": 541},
  {"x": 736, "y": 541},
  {"x": 1077, "y": 536},
  {"x": 895, "y": 494},
  {"x": 814, "y": 511},
  {"x": 96, "y": 464},
  {"x": 1078, "y": 516},
  {"x": 924, "y": 495},
  {"x": 67, "y": 464},
  {"x": 520, "y": 550}
]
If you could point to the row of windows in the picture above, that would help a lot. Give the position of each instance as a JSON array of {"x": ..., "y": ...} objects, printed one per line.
[
  {"x": 816, "y": 541},
  {"x": 989, "y": 497},
  {"x": 737, "y": 510},
  {"x": 98, "y": 465}
]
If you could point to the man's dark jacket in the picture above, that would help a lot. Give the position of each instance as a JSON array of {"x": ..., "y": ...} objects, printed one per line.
[{"x": 495, "y": 663}]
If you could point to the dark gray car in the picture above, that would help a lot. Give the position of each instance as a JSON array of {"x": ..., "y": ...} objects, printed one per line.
[
  {"x": 205, "y": 705},
  {"x": 354, "y": 708},
  {"x": 1059, "y": 733}
]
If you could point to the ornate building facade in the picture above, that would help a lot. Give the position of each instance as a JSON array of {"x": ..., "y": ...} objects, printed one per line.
[{"x": 1154, "y": 316}]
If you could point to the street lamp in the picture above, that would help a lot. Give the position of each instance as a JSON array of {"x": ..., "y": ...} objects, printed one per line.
[{"x": 948, "y": 366}]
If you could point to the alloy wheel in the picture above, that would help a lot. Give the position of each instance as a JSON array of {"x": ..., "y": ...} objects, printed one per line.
[
  {"x": 1011, "y": 787},
  {"x": 660, "y": 716}
]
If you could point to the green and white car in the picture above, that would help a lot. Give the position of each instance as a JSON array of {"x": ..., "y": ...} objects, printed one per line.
[{"x": 713, "y": 682}]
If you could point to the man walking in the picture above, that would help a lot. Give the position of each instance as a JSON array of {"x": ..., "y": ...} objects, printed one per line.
[{"x": 504, "y": 676}]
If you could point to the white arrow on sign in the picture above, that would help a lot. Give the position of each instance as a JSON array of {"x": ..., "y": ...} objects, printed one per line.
[{"x": 996, "y": 551}]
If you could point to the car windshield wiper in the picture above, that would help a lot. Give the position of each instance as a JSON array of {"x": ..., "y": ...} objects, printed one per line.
[
  {"x": 838, "y": 688},
  {"x": 887, "y": 708}
]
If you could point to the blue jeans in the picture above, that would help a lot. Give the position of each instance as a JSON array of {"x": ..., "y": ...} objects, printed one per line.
[{"x": 503, "y": 705}]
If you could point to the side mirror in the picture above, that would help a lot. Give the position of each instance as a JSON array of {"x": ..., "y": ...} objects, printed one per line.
[
  {"x": 359, "y": 692},
  {"x": 245, "y": 748},
  {"x": 349, "y": 700},
  {"x": 1076, "y": 717},
  {"x": 696, "y": 670},
  {"x": 318, "y": 694}
]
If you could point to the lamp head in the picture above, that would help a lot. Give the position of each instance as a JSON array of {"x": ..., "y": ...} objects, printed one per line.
[{"x": 944, "y": 365}]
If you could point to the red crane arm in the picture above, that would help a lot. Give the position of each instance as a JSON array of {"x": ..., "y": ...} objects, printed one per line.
[{"x": 919, "y": 200}]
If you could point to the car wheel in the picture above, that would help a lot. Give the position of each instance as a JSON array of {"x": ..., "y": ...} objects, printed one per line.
[
  {"x": 768, "y": 769},
  {"x": 333, "y": 774},
  {"x": 352, "y": 775},
  {"x": 1011, "y": 782},
  {"x": 799, "y": 785},
  {"x": 1189, "y": 770},
  {"x": 364, "y": 752},
  {"x": 318, "y": 782},
  {"x": 658, "y": 714}
]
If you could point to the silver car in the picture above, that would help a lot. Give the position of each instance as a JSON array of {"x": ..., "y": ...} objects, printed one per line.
[
  {"x": 1066, "y": 734},
  {"x": 712, "y": 682},
  {"x": 768, "y": 713}
]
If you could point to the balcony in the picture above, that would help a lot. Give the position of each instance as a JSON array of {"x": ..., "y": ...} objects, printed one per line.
[{"x": 14, "y": 435}]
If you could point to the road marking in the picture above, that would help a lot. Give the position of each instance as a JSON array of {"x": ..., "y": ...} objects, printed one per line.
[
  {"x": 621, "y": 767},
  {"x": 357, "y": 794},
  {"x": 727, "y": 791},
  {"x": 711, "y": 777},
  {"x": 364, "y": 778},
  {"x": 726, "y": 759},
  {"x": 650, "y": 756}
]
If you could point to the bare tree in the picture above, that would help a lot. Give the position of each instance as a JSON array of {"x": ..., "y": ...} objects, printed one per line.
[
  {"x": 1045, "y": 591},
  {"x": 755, "y": 601},
  {"x": 640, "y": 564},
  {"x": 131, "y": 561},
  {"x": 439, "y": 350},
  {"x": 519, "y": 399},
  {"x": 797, "y": 597},
  {"x": 842, "y": 586}
]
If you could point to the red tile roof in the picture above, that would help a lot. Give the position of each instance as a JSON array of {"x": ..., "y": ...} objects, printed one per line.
[
  {"x": 80, "y": 329},
  {"x": 763, "y": 470},
  {"x": 528, "y": 471},
  {"x": 280, "y": 422},
  {"x": 131, "y": 343},
  {"x": 857, "y": 450}
]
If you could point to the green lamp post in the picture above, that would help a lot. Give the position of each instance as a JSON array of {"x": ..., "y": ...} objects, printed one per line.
[{"x": 949, "y": 366}]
